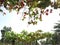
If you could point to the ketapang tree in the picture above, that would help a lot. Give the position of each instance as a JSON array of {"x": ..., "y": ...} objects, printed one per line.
[{"x": 36, "y": 8}]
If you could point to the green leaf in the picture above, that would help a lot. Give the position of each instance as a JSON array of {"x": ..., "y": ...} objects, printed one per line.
[{"x": 1, "y": 10}]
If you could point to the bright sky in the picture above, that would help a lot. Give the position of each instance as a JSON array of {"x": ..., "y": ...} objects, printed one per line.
[{"x": 13, "y": 20}]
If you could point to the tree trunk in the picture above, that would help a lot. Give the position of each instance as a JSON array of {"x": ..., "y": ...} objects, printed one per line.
[
  {"x": 13, "y": 42},
  {"x": 36, "y": 42}
]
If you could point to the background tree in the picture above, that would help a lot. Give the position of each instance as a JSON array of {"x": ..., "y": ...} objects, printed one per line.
[
  {"x": 48, "y": 37},
  {"x": 10, "y": 37},
  {"x": 4, "y": 30},
  {"x": 56, "y": 36},
  {"x": 38, "y": 36},
  {"x": 25, "y": 38}
]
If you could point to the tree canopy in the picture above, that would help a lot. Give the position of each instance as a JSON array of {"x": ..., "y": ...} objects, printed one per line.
[
  {"x": 36, "y": 8},
  {"x": 26, "y": 37}
]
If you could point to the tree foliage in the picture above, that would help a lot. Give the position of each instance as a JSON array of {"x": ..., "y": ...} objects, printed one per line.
[
  {"x": 56, "y": 35},
  {"x": 20, "y": 3},
  {"x": 32, "y": 5},
  {"x": 26, "y": 37},
  {"x": 3, "y": 31},
  {"x": 8, "y": 36}
]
